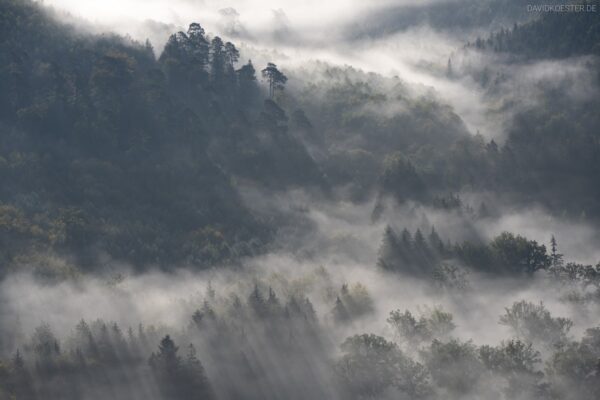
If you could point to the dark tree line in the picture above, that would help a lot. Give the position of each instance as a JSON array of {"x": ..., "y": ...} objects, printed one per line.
[
  {"x": 243, "y": 339},
  {"x": 448, "y": 264},
  {"x": 507, "y": 253},
  {"x": 552, "y": 35}
]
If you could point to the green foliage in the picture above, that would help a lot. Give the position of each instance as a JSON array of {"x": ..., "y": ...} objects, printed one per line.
[
  {"x": 454, "y": 365},
  {"x": 506, "y": 254},
  {"x": 106, "y": 150},
  {"x": 245, "y": 348},
  {"x": 371, "y": 366},
  {"x": 573, "y": 369},
  {"x": 517, "y": 362},
  {"x": 588, "y": 276},
  {"x": 352, "y": 302},
  {"x": 177, "y": 378},
  {"x": 413, "y": 255},
  {"x": 451, "y": 277},
  {"x": 275, "y": 78},
  {"x": 401, "y": 179},
  {"x": 533, "y": 322},
  {"x": 476, "y": 255},
  {"x": 432, "y": 324},
  {"x": 516, "y": 253},
  {"x": 357, "y": 111},
  {"x": 249, "y": 91}
]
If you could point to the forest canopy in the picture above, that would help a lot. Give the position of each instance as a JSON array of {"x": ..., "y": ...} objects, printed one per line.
[{"x": 404, "y": 205}]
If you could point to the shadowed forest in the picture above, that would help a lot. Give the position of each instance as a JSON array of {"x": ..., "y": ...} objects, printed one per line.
[{"x": 396, "y": 200}]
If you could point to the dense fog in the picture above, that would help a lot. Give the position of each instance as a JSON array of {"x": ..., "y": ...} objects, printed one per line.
[{"x": 299, "y": 200}]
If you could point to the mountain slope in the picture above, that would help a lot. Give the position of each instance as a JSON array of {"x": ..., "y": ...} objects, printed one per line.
[{"x": 99, "y": 154}]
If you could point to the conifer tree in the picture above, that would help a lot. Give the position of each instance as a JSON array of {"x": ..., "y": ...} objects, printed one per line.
[
  {"x": 275, "y": 78},
  {"x": 340, "y": 312},
  {"x": 217, "y": 61},
  {"x": 556, "y": 259},
  {"x": 248, "y": 87}
]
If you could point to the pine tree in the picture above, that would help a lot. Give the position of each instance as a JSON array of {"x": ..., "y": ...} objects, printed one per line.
[
  {"x": 21, "y": 382},
  {"x": 196, "y": 383},
  {"x": 407, "y": 241},
  {"x": 247, "y": 84},
  {"x": 133, "y": 344},
  {"x": 419, "y": 239},
  {"x": 422, "y": 251},
  {"x": 176, "y": 60},
  {"x": 198, "y": 46},
  {"x": 167, "y": 367},
  {"x": 275, "y": 78},
  {"x": 389, "y": 249},
  {"x": 257, "y": 302},
  {"x": 340, "y": 312},
  {"x": 217, "y": 61},
  {"x": 167, "y": 358},
  {"x": 106, "y": 350},
  {"x": 556, "y": 259},
  {"x": 436, "y": 242},
  {"x": 149, "y": 48},
  {"x": 232, "y": 55},
  {"x": 85, "y": 339}
]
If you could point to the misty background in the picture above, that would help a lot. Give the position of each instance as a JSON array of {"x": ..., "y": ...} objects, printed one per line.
[{"x": 255, "y": 199}]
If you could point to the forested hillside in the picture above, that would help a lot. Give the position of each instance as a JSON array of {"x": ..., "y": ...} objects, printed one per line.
[
  {"x": 182, "y": 222},
  {"x": 105, "y": 144},
  {"x": 450, "y": 16},
  {"x": 106, "y": 149},
  {"x": 551, "y": 36},
  {"x": 552, "y": 151}
]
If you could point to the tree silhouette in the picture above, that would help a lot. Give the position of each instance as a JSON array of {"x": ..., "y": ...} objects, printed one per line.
[{"x": 275, "y": 78}]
